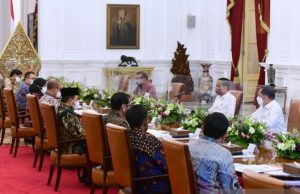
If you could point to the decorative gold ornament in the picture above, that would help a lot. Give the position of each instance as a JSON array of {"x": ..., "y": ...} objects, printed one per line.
[{"x": 19, "y": 53}]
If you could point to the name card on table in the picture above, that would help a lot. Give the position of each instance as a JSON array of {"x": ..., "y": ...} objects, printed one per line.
[
  {"x": 147, "y": 95},
  {"x": 250, "y": 150}
]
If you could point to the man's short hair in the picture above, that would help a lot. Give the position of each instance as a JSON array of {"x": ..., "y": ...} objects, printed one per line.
[
  {"x": 27, "y": 74},
  {"x": 268, "y": 91},
  {"x": 144, "y": 75},
  {"x": 118, "y": 99},
  {"x": 135, "y": 116},
  {"x": 52, "y": 83},
  {"x": 215, "y": 125},
  {"x": 225, "y": 82},
  {"x": 15, "y": 72}
]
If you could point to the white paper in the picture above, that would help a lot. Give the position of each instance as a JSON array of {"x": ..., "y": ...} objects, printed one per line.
[
  {"x": 256, "y": 168},
  {"x": 91, "y": 104},
  {"x": 147, "y": 95},
  {"x": 159, "y": 133},
  {"x": 244, "y": 156},
  {"x": 153, "y": 120},
  {"x": 251, "y": 148},
  {"x": 80, "y": 112}
]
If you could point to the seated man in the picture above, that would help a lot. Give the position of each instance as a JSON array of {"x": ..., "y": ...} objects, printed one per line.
[
  {"x": 69, "y": 124},
  {"x": 23, "y": 90},
  {"x": 270, "y": 112},
  {"x": 144, "y": 87},
  {"x": 52, "y": 93},
  {"x": 13, "y": 81},
  {"x": 119, "y": 102},
  {"x": 212, "y": 163},
  {"x": 148, "y": 152},
  {"x": 36, "y": 89},
  {"x": 224, "y": 102}
]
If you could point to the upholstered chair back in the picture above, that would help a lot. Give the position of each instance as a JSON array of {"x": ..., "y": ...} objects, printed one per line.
[
  {"x": 95, "y": 137},
  {"x": 11, "y": 106},
  {"x": 35, "y": 113},
  {"x": 121, "y": 153},
  {"x": 294, "y": 115},
  {"x": 180, "y": 169},
  {"x": 50, "y": 122},
  {"x": 239, "y": 99}
]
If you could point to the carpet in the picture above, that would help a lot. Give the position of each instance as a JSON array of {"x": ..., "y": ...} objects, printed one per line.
[{"x": 18, "y": 176}]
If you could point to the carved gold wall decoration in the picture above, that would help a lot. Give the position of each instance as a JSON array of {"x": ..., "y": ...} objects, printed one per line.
[{"x": 19, "y": 53}]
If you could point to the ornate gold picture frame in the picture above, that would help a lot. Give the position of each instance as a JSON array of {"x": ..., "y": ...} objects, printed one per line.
[{"x": 123, "y": 26}]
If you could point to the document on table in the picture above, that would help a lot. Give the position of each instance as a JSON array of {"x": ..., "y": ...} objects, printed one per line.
[
  {"x": 256, "y": 168},
  {"x": 80, "y": 112},
  {"x": 159, "y": 133},
  {"x": 244, "y": 156}
]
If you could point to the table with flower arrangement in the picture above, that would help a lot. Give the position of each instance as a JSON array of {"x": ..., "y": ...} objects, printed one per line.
[
  {"x": 273, "y": 149},
  {"x": 282, "y": 148}
]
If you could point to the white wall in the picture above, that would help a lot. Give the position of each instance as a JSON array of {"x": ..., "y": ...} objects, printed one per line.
[
  {"x": 4, "y": 23},
  {"x": 284, "y": 41},
  {"x": 72, "y": 37}
]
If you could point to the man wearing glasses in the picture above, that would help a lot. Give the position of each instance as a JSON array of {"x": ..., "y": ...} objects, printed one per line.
[{"x": 23, "y": 90}]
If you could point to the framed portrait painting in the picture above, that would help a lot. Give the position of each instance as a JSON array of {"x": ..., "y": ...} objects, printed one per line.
[{"x": 123, "y": 26}]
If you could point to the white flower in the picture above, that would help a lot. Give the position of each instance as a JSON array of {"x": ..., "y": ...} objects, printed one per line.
[
  {"x": 167, "y": 112},
  {"x": 281, "y": 146},
  {"x": 290, "y": 145},
  {"x": 251, "y": 130}
]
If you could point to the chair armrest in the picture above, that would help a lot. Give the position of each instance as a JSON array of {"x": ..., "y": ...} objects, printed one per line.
[{"x": 153, "y": 178}]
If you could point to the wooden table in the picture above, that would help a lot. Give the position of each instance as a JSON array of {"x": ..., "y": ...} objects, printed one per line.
[{"x": 268, "y": 156}]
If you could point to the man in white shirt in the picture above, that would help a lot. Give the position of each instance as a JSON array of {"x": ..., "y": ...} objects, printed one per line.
[
  {"x": 270, "y": 112},
  {"x": 224, "y": 102}
]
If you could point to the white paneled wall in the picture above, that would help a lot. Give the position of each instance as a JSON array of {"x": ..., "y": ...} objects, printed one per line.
[
  {"x": 284, "y": 42},
  {"x": 72, "y": 38}
]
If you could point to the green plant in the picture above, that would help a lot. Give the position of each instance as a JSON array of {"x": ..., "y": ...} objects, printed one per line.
[
  {"x": 194, "y": 120},
  {"x": 287, "y": 145},
  {"x": 105, "y": 96},
  {"x": 167, "y": 113},
  {"x": 245, "y": 131}
]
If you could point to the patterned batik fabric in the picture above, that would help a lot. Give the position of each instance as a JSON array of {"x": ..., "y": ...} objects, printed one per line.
[
  {"x": 21, "y": 96},
  {"x": 214, "y": 167},
  {"x": 46, "y": 98},
  {"x": 114, "y": 117},
  {"x": 70, "y": 127},
  {"x": 149, "y": 161}
]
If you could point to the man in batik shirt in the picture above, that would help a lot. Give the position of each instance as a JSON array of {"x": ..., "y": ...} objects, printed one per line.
[
  {"x": 52, "y": 94},
  {"x": 119, "y": 102},
  {"x": 148, "y": 152},
  {"x": 69, "y": 124}
]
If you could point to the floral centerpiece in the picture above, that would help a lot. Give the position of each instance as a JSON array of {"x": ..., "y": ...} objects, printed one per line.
[
  {"x": 148, "y": 103},
  {"x": 169, "y": 114},
  {"x": 89, "y": 94},
  {"x": 194, "y": 120},
  {"x": 245, "y": 131},
  {"x": 287, "y": 145},
  {"x": 105, "y": 96}
]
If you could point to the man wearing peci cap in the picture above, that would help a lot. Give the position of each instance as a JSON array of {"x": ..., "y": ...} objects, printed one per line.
[{"x": 69, "y": 124}]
